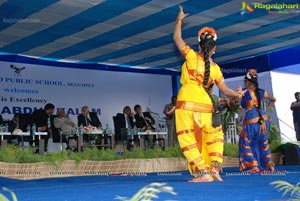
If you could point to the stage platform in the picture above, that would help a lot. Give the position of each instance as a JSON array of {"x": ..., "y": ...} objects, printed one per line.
[{"x": 236, "y": 186}]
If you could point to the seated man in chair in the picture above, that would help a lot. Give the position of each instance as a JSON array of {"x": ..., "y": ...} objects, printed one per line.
[
  {"x": 1, "y": 120},
  {"x": 65, "y": 124},
  {"x": 145, "y": 121},
  {"x": 43, "y": 119},
  {"x": 13, "y": 125},
  {"x": 125, "y": 121},
  {"x": 87, "y": 118}
]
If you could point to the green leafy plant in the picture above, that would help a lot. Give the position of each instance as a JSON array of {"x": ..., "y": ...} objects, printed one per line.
[
  {"x": 149, "y": 192},
  {"x": 14, "y": 154},
  {"x": 228, "y": 112},
  {"x": 4, "y": 198},
  {"x": 288, "y": 189},
  {"x": 274, "y": 138},
  {"x": 231, "y": 150},
  {"x": 56, "y": 159},
  {"x": 173, "y": 152}
]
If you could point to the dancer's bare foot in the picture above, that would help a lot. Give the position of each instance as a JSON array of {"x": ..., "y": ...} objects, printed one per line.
[
  {"x": 216, "y": 175},
  {"x": 202, "y": 178},
  {"x": 253, "y": 170},
  {"x": 215, "y": 171},
  {"x": 271, "y": 166}
]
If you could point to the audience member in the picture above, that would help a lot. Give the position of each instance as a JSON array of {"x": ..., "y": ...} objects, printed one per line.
[
  {"x": 124, "y": 122},
  {"x": 43, "y": 120},
  {"x": 1, "y": 119},
  {"x": 12, "y": 126},
  {"x": 87, "y": 118},
  {"x": 126, "y": 119},
  {"x": 65, "y": 124},
  {"x": 144, "y": 121},
  {"x": 14, "y": 123}
]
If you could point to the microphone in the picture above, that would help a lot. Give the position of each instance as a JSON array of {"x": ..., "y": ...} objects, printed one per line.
[{"x": 154, "y": 113}]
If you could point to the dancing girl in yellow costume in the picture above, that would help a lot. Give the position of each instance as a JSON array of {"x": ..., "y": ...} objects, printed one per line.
[{"x": 201, "y": 143}]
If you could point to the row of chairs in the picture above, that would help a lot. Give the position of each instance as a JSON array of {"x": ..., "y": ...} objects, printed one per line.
[
  {"x": 130, "y": 141},
  {"x": 121, "y": 135},
  {"x": 24, "y": 121}
]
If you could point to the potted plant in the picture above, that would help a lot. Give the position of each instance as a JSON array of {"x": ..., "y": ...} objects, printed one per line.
[
  {"x": 229, "y": 111},
  {"x": 274, "y": 143}
]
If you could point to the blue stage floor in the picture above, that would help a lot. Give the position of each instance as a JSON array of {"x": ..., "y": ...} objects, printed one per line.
[{"x": 105, "y": 188}]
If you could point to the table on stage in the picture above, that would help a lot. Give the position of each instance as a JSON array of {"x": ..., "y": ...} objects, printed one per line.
[
  {"x": 160, "y": 136},
  {"x": 103, "y": 136},
  {"x": 2, "y": 137},
  {"x": 36, "y": 136}
]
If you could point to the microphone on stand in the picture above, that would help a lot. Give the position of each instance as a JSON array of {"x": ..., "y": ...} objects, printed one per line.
[
  {"x": 154, "y": 113},
  {"x": 142, "y": 115}
]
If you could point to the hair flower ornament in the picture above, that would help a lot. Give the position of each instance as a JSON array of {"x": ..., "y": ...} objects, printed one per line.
[
  {"x": 252, "y": 73},
  {"x": 207, "y": 30}
]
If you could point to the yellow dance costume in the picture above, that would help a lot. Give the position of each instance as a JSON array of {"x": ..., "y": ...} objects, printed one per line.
[{"x": 200, "y": 142}]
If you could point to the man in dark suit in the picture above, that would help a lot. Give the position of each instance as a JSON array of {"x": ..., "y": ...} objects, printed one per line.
[
  {"x": 1, "y": 120},
  {"x": 87, "y": 118},
  {"x": 43, "y": 120},
  {"x": 12, "y": 125},
  {"x": 144, "y": 121},
  {"x": 19, "y": 121},
  {"x": 123, "y": 122}
]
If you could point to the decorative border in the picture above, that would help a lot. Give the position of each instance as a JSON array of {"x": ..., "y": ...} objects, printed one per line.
[{"x": 69, "y": 168}]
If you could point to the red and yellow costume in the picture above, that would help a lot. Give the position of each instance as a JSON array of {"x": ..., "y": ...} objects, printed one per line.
[{"x": 200, "y": 142}]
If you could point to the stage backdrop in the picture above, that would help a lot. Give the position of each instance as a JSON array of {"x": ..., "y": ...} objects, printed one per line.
[
  {"x": 284, "y": 87},
  {"x": 25, "y": 87}
]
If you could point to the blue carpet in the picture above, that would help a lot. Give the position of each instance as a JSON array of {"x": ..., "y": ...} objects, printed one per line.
[{"x": 105, "y": 188}]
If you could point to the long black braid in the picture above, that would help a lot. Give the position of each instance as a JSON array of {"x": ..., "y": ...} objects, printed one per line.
[
  {"x": 207, "y": 44},
  {"x": 257, "y": 94}
]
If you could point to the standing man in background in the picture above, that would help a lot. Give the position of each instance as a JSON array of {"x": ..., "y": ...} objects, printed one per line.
[
  {"x": 169, "y": 111},
  {"x": 295, "y": 107}
]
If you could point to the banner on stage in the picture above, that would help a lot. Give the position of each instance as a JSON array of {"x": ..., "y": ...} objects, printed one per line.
[{"x": 27, "y": 87}]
